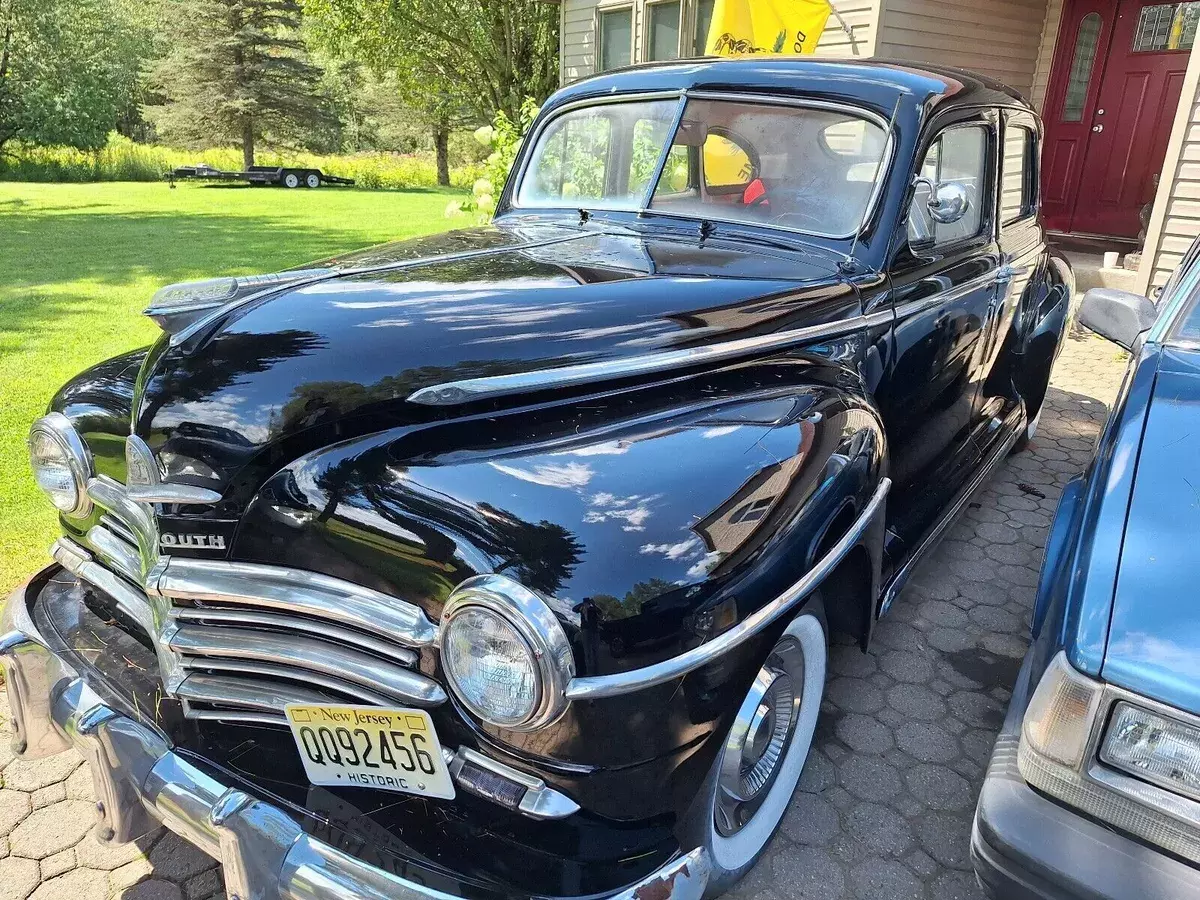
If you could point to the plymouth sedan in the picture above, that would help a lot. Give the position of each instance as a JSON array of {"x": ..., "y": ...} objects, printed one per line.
[{"x": 502, "y": 563}]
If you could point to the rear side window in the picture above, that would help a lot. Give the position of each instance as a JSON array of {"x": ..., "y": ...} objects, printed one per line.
[{"x": 1018, "y": 179}]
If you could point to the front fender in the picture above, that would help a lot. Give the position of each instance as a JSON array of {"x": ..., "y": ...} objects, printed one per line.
[{"x": 648, "y": 530}]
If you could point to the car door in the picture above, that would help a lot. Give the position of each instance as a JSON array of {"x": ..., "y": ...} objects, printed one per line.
[
  {"x": 1022, "y": 254},
  {"x": 943, "y": 286}
]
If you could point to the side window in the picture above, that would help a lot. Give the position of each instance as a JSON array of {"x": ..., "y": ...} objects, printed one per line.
[
  {"x": 1017, "y": 174},
  {"x": 958, "y": 158}
]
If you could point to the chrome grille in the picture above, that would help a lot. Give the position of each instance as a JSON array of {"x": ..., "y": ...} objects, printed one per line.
[{"x": 240, "y": 641}]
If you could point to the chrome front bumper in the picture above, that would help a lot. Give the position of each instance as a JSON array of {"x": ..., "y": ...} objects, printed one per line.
[{"x": 141, "y": 782}]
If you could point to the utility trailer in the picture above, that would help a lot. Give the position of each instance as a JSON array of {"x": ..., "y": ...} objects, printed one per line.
[{"x": 282, "y": 176}]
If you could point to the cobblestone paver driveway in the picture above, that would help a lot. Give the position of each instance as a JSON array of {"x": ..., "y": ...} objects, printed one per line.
[{"x": 884, "y": 808}]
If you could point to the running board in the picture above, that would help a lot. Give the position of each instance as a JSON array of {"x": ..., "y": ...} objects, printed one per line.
[{"x": 934, "y": 535}]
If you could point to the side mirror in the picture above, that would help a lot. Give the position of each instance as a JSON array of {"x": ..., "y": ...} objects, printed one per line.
[
  {"x": 1119, "y": 316},
  {"x": 949, "y": 203}
]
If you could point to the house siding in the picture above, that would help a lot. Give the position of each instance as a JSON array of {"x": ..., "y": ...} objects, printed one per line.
[
  {"x": 1046, "y": 50},
  {"x": 1175, "y": 220},
  {"x": 578, "y": 26},
  {"x": 1000, "y": 38}
]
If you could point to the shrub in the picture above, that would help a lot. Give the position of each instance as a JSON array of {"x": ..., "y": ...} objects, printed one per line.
[
  {"x": 504, "y": 138},
  {"x": 123, "y": 160}
]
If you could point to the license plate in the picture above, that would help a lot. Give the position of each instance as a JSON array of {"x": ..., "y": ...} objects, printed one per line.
[{"x": 371, "y": 746}]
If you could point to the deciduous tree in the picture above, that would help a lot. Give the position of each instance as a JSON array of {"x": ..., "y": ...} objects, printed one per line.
[
  {"x": 67, "y": 70},
  {"x": 457, "y": 61}
]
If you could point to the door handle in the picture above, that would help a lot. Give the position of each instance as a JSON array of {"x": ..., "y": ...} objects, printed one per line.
[
  {"x": 1007, "y": 273},
  {"x": 1097, "y": 128}
]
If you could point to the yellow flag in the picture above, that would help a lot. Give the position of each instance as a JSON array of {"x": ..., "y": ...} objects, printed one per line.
[{"x": 740, "y": 27}]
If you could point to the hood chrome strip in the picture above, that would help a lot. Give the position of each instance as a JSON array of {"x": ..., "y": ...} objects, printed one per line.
[{"x": 451, "y": 393}]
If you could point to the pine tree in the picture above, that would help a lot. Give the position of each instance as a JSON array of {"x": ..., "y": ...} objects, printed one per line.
[{"x": 237, "y": 71}]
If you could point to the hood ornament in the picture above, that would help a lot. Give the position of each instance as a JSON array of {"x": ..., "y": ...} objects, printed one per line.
[{"x": 177, "y": 307}]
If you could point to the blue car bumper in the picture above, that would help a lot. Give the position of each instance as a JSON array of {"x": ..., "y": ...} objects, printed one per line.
[{"x": 1025, "y": 846}]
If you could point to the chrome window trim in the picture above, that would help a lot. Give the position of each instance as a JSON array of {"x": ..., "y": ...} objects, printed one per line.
[
  {"x": 468, "y": 389},
  {"x": 684, "y": 95},
  {"x": 599, "y": 686}
]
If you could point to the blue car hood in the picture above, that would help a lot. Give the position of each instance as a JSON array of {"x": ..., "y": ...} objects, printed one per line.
[{"x": 1154, "y": 638}]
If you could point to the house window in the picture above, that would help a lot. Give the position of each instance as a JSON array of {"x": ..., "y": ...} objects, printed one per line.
[
  {"x": 1082, "y": 64},
  {"x": 1016, "y": 174},
  {"x": 662, "y": 27},
  {"x": 616, "y": 38},
  {"x": 704, "y": 13},
  {"x": 1166, "y": 26}
]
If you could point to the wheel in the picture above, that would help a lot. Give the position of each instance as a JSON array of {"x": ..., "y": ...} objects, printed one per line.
[
  {"x": 747, "y": 791},
  {"x": 312, "y": 180},
  {"x": 291, "y": 180}
]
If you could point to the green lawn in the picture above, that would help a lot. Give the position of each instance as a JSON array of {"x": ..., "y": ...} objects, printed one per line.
[{"x": 79, "y": 261}]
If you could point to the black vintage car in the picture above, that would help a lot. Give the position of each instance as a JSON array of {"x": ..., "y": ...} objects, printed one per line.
[{"x": 502, "y": 563}]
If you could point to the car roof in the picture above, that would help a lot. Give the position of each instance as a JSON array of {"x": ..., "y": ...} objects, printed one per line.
[{"x": 876, "y": 82}]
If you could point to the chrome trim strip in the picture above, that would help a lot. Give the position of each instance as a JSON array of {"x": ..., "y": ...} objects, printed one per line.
[
  {"x": 240, "y": 717},
  {"x": 948, "y": 518},
  {"x": 142, "y": 782},
  {"x": 178, "y": 494},
  {"x": 132, "y": 602},
  {"x": 468, "y": 389},
  {"x": 273, "y": 670},
  {"x": 115, "y": 551},
  {"x": 912, "y": 307},
  {"x": 137, "y": 517},
  {"x": 249, "y": 693},
  {"x": 294, "y": 591},
  {"x": 539, "y": 802},
  {"x": 308, "y": 654},
  {"x": 290, "y": 623},
  {"x": 597, "y": 686}
]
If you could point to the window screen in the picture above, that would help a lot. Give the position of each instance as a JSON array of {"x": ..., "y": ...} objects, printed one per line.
[
  {"x": 616, "y": 38},
  {"x": 663, "y": 23}
]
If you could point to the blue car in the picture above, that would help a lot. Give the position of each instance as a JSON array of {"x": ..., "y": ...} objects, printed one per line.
[{"x": 1094, "y": 785}]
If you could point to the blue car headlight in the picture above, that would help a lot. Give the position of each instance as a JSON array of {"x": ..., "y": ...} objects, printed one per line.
[{"x": 1121, "y": 758}]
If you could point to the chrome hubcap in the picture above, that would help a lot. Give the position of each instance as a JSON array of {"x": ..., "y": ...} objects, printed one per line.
[{"x": 759, "y": 738}]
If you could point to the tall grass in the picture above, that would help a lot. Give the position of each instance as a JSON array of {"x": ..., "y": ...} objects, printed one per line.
[{"x": 123, "y": 160}]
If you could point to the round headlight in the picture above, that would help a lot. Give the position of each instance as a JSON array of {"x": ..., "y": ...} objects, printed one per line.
[
  {"x": 505, "y": 654},
  {"x": 61, "y": 464}
]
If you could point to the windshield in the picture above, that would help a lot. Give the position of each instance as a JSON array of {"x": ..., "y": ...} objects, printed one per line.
[{"x": 804, "y": 168}]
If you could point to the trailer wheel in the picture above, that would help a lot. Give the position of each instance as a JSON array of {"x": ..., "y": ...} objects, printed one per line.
[
  {"x": 291, "y": 179},
  {"x": 312, "y": 180}
]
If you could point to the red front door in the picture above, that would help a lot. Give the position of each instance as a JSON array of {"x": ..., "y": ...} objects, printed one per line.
[{"x": 1117, "y": 75}]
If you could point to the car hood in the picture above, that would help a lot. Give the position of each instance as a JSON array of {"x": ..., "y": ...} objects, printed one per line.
[
  {"x": 336, "y": 358},
  {"x": 1154, "y": 637}
]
